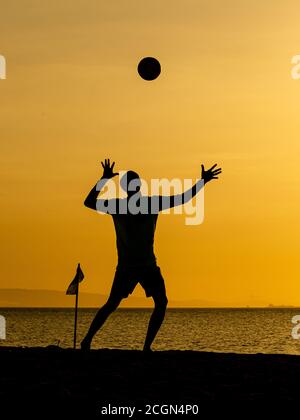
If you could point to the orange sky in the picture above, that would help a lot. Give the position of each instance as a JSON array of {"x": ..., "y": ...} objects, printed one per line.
[{"x": 73, "y": 97}]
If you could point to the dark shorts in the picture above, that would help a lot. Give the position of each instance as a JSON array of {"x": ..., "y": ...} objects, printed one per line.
[{"x": 149, "y": 277}]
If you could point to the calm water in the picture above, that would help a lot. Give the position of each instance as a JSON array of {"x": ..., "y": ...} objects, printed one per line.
[{"x": 219, "y": 330}]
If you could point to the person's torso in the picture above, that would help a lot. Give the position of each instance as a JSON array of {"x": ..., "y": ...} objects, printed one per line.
[{"x": 135, "y": 239}]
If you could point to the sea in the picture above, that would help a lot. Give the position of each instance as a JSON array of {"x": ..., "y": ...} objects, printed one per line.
[{"x": 245, "y": 330}]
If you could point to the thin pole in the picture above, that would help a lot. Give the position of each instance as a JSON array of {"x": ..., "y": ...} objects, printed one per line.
[{"x": 75, "y": 321}]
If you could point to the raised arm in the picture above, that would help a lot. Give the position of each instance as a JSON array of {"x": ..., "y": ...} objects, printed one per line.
[
  {"x": 166, "y": 202},
  {"x": 108, "y": 172}
]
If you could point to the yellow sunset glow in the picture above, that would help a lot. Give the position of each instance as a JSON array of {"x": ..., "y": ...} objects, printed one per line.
[{"x": 73, "y": 97}]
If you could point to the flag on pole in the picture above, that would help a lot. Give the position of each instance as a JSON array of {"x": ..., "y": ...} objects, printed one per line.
[{"x": 73, "y": 287}]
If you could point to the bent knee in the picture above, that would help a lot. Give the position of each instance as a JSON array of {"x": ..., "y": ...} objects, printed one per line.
[
  {"x": 161, "y": 303},
  {"x": 111, "y": 305}
]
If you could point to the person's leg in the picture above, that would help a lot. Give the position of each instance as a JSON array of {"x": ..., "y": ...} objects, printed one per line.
[
  {"x": 157, "y": 317},
  {"x": 101, "y": 316}
]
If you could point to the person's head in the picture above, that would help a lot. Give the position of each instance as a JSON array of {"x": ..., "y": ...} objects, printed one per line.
[{"x": 130, "y": 182}]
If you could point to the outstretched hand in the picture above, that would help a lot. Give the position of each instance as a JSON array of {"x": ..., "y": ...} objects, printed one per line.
[
  {"x": 210, "y": 173},
  {"x": 108, "y": 170}
]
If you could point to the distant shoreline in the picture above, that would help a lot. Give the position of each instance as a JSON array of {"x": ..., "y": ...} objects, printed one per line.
[
  {"x": 150, "y": 308},
  {"x": 43, "y": 298}
]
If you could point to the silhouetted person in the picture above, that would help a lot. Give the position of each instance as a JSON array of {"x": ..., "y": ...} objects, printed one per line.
[{"x": 135, "y": 236}]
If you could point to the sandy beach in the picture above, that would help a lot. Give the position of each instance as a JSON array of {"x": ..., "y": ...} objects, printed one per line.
[{"x": 54, "y": 379}]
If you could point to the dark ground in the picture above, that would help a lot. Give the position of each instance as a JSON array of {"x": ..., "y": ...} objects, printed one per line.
[{"x": 54, "y": 380}]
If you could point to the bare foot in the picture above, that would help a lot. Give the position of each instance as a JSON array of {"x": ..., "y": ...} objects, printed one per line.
[{"x": 85, "y": 345}]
